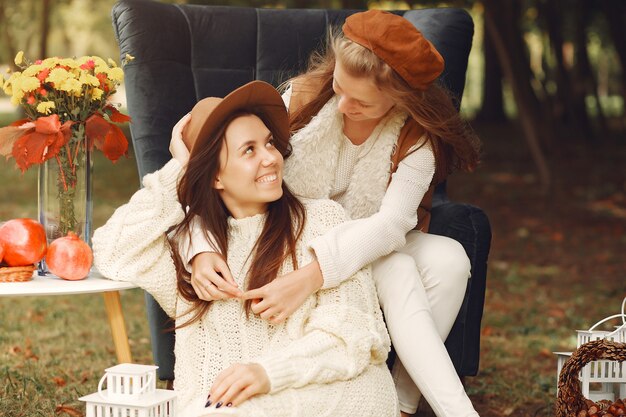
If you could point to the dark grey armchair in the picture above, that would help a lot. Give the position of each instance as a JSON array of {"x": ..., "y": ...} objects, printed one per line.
[{"x": 184, "y": 53}]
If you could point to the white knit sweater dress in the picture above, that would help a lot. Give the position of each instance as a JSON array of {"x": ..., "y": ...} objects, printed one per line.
[{"x": 327, "y": 359}]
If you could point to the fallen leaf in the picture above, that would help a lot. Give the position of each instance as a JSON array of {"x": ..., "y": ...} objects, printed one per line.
[
  {"x": 15, "y": 350},
  {"x": 487, "y": 331},
  {"x": 556, "y": 312},
  {"x": 85, "y": 376},
  {"x": 28, "y": 354},
  {"x": 557, "y": 237},
  {"x": 545, "y": 352},
  {"x": 58, "y": 381},
  {"x": 35, "y": 316},
  {"x": 68, "y": 410}
]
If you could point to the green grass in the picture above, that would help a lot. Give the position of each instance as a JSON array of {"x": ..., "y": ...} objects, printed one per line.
[
  {"x": 556, "y": 264},
  {"x": 54, "y": 349}
]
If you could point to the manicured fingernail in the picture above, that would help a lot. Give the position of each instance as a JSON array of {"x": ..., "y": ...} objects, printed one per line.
[
  {"x": 208, "y": 396},
  {"x": 229, "y": 405},
  {"x": 218, "y": 405},
  {"x": 208, "y": 403}
]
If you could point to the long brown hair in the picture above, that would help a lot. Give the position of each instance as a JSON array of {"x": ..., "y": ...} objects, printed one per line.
[
  {"x": 204, "y": 208},
  {"x": 455, "y": 145}
]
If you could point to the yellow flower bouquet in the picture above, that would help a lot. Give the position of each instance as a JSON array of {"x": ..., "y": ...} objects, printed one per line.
[{"x": 66, "y": 102}]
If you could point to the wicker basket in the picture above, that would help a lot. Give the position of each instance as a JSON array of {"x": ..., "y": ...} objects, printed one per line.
[
  {"x": 16, "y": 273},
  {"x": 570, "y": 400}
]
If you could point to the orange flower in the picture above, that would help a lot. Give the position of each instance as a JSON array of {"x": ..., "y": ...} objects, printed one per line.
[
  {"x": 103, "y": 81},
  {"x": 43, "y": 74},
  {"x": 89, "y": 65}
]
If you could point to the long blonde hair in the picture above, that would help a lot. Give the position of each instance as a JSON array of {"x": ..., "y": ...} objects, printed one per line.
[{"x": 455, "y": 145}]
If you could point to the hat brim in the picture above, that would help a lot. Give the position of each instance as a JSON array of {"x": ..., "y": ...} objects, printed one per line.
[{"x": 256, "y": 95}]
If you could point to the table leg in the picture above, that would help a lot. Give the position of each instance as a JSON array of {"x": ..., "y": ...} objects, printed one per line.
[{"x": 118, "y": 327}]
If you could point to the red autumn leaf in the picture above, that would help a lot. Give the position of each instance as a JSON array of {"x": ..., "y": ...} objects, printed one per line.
[
  {"x": 557, "y": 237},
  {"x": 58, "y": 381},
  {"x": 96, "y": 128},
  {"x": 29, "y": 150},
  {"x": 85, "y": 376},
  {"x": 15, "y": 350},
  {"x": 68, "y": 410},
  {"x": 116, "y": 116},
  {"x": 8, "y": 136},
  {"x": 35, "y": 148},
  {"x": 115, "y": 144},
  {"x": 49, "y": 124}
]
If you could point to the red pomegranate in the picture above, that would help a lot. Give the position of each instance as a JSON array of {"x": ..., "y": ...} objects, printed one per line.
[
  {"x": 1, "y": 252},
  {"x": 69, "y": 257},
  {"x": 24, "y": 242}
]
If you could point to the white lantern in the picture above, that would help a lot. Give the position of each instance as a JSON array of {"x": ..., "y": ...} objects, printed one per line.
[
  {"x": 131, "y": 392},
  {"x": 606, "y": 373}
]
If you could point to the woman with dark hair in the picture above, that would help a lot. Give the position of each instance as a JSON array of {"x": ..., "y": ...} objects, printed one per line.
[
  {"x": 328, "y": 357},
  {"x": 373, "y": 131}
]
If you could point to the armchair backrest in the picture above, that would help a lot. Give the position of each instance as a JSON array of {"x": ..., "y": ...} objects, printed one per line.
[{"x": 184, "y": 53}]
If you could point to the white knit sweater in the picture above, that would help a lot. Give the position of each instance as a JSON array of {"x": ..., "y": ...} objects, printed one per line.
[
  {"x": 326, "y": 359},
  {"x": 381, "y": 217}
]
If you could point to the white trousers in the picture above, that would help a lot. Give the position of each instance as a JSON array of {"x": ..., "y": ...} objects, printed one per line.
[{"x": 420, "y": 290}]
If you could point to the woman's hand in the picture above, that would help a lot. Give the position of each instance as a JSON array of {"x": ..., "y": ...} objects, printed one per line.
[
  {"x": 178, "y": 147},
  {"x": 211, "y": 277},
  {"x": 237, "y": 383},
  {"x": 280, "y": 298}
]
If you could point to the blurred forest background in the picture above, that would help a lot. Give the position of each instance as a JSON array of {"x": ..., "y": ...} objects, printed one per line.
[{"x": 545, "y": 90}]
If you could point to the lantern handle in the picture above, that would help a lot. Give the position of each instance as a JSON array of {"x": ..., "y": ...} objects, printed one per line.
[
  {"x": 622, "y": 315},
  {"x": 100, "y": 386},
  {"x": 148, "y": 383}
]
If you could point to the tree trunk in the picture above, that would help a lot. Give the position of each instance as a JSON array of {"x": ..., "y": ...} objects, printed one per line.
[
  {"x": 584, "y": 82},
  {"x": 615, "y": 12},
  {"x": 9, "y": 43},
  {"x": 354, "y": 4},
  {"x": 45, "y": 29},
  {"x": 492, "y": 109},
  {"x": 571, "y": 108},
  {"x": 505, "y": 32}
]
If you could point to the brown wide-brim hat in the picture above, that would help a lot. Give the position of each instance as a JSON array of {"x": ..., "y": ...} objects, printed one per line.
[
  {"x": 210, "y": 113},
  {"x": 397, "y": 42}
]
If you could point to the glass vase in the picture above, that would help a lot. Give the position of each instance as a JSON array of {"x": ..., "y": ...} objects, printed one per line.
[{"x": 64, "y": 188}]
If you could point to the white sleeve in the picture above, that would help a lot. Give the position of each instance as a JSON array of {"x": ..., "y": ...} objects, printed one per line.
[
  {"x": 132, "y": 247},
  {"x": 344, "y": 333},
  {"x": 350, "y": 246},
  {"x": 287, "y": 96},
  {"x": 198, "y": 243}
]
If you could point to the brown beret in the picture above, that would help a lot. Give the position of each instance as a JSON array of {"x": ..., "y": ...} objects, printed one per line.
[{"x": 397, "y": 42}]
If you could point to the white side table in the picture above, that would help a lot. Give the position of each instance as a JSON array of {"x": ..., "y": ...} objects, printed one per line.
[{"x": 94, "y": 283}]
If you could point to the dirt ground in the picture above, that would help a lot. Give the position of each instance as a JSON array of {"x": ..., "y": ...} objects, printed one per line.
[{"x": 557, "y": 261}]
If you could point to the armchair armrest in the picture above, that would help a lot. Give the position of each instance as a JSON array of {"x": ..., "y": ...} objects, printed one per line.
[{"x": 470, "y": 226}]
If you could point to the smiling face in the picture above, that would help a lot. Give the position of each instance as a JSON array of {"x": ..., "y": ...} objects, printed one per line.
[
  {"x": 360, "y": 99},
  {"x": 251, "y": 168}
]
